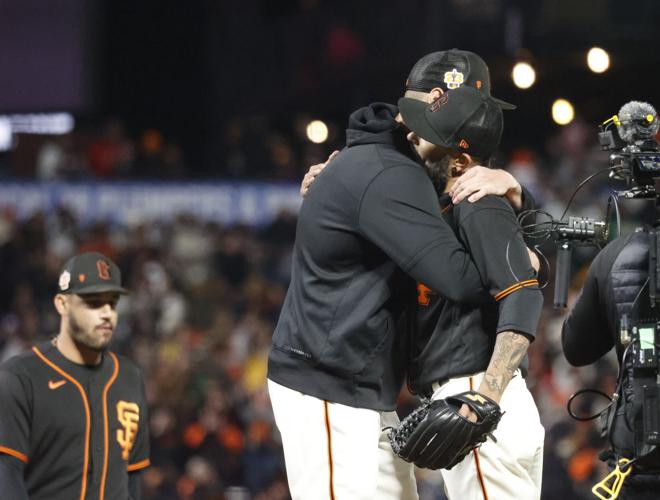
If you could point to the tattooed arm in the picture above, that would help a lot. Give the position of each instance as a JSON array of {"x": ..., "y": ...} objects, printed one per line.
[{"x": 510, "y": 349}]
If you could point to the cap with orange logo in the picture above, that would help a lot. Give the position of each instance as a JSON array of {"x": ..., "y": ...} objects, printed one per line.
[
  {"x": 464, "y": 119},
  {"x": 451, "y": 69},
  {"x": 90, "y": 272}
]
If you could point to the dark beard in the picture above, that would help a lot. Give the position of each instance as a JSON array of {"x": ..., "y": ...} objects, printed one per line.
[
  {"x": 81, "y": 338},
  {"x": 439, "y": 173}
]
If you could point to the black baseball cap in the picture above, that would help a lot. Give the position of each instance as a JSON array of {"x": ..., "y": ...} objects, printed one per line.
[
  {"x": 451, "y": 69},
  {"x": 90, "y": 272},
  {"x": 464, "y": 119}
]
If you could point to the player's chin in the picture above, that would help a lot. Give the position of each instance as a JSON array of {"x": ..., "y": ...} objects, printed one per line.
[{"x": 101, "y": 339}]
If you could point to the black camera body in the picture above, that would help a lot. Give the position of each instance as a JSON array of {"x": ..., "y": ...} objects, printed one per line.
[
  {"x": 632, "y": 423},
  {"x": 635, "y": 160}
]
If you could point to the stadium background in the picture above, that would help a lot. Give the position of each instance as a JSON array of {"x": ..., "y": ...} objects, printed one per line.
[{"x": 172, "y": 136}]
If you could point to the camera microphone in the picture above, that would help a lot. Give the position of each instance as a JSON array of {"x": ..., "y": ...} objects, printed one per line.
[
  {"x": 577, "y": 230},
  {"x": 638, "y": 122}
]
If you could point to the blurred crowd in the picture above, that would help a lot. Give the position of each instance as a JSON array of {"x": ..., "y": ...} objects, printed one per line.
[
  {"x": 247, "y": 146},
  {"x": 204, "y": 302}
]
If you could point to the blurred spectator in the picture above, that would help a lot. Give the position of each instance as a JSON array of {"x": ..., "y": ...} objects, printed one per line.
[
  {"x": 111, "y": 154},
  {"x": 58, "y": 158}
]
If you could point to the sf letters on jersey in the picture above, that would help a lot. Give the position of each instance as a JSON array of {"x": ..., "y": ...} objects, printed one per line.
[{"x": 128, "y": 415}]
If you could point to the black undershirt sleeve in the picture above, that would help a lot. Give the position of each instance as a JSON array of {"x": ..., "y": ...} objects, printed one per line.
[
  {"x": 135, "y": 485},
  {"x": 12, "y": 484},
  {"x": 400, "y": 214}
]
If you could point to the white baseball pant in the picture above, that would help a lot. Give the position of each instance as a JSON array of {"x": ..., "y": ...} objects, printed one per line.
[
  {"x": 338, "y": 452},
  {"x": 511, "y": 468}
]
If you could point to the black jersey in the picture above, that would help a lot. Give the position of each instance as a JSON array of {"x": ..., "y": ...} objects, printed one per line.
[
  {"x": 454, "y": 339},
  {"x": 79, "y": 429}
]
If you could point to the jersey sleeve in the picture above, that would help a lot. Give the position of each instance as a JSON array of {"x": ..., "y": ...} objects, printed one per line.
[
  {"x": 11, "y": 478},
  {"x": 400, "y": 214},
  {"x": 139, "y": 458},
  {"x": 491, "y": 232},
  {"x": 14, "y": 417}
]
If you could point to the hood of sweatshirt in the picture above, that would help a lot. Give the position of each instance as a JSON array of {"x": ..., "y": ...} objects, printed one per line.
[{"x": 374, "y": 124}]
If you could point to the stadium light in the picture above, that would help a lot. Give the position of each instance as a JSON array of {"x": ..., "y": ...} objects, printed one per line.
[
  {"x": 598, "y": 60},
  {"x": 562, "y": 112},
  {"x": 5, "y": 134},
  {"x": 523, "y": 75},
  {"x": 317, "y": 131}
]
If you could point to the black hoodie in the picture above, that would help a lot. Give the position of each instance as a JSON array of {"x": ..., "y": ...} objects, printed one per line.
[{"x": 369, "y": 219}]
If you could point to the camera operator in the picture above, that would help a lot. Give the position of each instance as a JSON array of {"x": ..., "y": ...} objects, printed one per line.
[
  {"x": 616, "y": 277},
  {"x": 614, "y": 298}
]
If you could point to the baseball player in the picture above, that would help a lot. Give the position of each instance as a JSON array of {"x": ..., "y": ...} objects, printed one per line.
[
  {"x": 467, "y": 347},
  {"x": 73, "y": 419},
  {"x": 335, "y": 367}
]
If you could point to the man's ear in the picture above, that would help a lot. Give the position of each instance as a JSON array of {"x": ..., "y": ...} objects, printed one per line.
[
  {"x": 61, "y": 303},
  {"x": 435, "y": 94},
  {"x": 463, "y": 160}
]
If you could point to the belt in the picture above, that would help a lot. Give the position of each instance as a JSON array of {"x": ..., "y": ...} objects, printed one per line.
[{"x": 429, "y": 390}]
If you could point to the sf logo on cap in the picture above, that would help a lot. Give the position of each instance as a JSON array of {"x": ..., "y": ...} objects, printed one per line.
[
  {"x": 439, "y": 102},
  {"x": 454, "y": 79},
  {"x": 104, "y": 269}
]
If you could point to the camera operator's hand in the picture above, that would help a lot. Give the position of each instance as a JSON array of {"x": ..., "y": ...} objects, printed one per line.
[{"x": 479, "y": 181}]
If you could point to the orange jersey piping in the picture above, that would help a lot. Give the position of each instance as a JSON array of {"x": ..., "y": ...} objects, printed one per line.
[
  {"x": 139, "y": 465},
  {"x": 105, "y": 423},
  {"x": 14, "y": 453},
  {"x": 43, "y": 358}
]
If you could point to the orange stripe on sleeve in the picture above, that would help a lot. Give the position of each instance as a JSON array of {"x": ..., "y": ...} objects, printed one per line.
[
  {"x": 140, "y": 465},
  {"x": 515, "y": 287},
  {"x": 14, "y": 453}
]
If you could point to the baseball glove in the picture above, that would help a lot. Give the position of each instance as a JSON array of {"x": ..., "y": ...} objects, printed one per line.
[{"x": 435, "y": 436}]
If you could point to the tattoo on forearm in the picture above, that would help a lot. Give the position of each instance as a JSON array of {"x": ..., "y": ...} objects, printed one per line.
[{"x": 510, "y": 348}]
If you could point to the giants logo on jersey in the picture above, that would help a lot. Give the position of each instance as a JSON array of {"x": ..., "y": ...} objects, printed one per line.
[
  {"x": 424, "y": 294},
  {"x": 128, "y": 415}
]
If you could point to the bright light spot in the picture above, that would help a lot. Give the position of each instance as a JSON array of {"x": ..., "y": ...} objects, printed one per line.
[
  {"x": 562, "y": 112},
  {"x": 5, "y": 134},
  {"x": 317, "y": 131},
  {"x": 45, "y": 123},
  {"x": 598, "y": 60},
  {"x": 523, "y": 75}
]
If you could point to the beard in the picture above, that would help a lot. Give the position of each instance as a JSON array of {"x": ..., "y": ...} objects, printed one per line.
[
  {"x": 438, "y": 171},
  {"x": 85, "y": 338}
]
